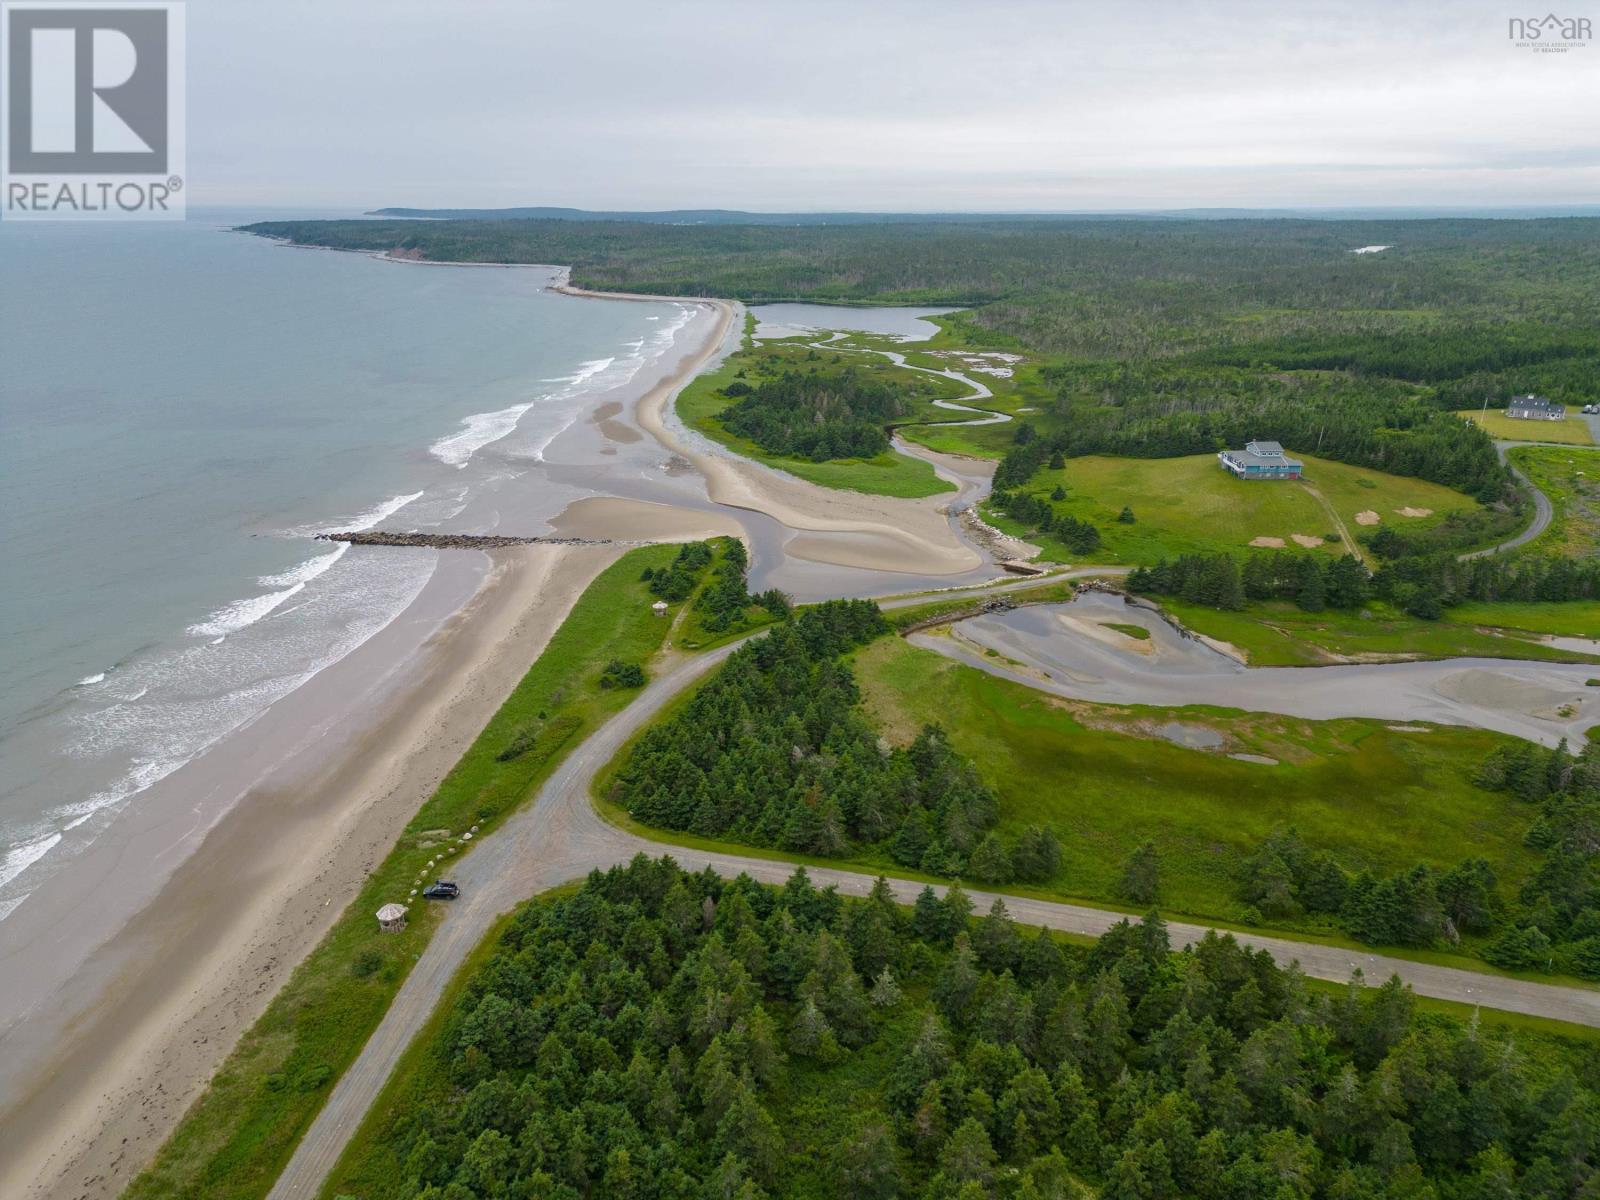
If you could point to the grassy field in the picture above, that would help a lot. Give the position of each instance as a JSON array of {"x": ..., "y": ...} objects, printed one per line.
[
  {"x": 1024, "y": 395},
  {"x": 235, "y": 1139},
  {"x": 1378, "y": 798},
  {"x": 1571, "y": 478},
  {"x": 1574, "y": 618},
  {"x": 1574, "y": 431},
  {"x": 1277, "y": 634},
  {"x": 1190, "y": 505},
  {"x": 888, "y": 474}
]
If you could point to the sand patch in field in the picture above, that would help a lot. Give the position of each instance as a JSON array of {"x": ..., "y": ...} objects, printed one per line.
[
  {"x": 1267, "y": 543},
  {"x": 1408, "y": 511},
  {"x": 1306, "y": 540},
  {"x": 1367, "y": 518}
]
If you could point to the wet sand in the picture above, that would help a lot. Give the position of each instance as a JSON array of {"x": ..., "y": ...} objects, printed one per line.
[
  {"x": 613, "y": 517},
  {"x": 109, "y": 1059},
  {"x": 1066, "y": 649},
  {"x": 890, "y": 534},
  {"x": 108, "y": 1035}
]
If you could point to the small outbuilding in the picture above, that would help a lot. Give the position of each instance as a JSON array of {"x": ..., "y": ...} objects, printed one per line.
[
  {"x": 1535, "y": 408},
  {"x": 659, "y": 608},
  {"x": 392, "y": 918}
]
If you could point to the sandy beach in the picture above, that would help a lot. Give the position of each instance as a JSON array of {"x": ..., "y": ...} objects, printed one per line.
[
  {"x": 876, "y": 532},
  {"x": 99, "y": 1073},
  {"x": 143, "y": 1026}
]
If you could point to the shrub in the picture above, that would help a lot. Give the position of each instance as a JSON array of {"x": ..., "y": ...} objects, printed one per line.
[{"x": 619, "y": 674}]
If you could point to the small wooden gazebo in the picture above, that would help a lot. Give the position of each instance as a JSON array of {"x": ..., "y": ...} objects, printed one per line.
[
  {"x": 392, "y": 918},
  {"x": 659, "y": 608}
]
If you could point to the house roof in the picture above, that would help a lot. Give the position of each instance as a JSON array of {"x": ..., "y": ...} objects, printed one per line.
[
  {"x": 1533, "y": 402},
  {"x": 1264, "y": 447},
  {"x": 1249, "y": 458}
]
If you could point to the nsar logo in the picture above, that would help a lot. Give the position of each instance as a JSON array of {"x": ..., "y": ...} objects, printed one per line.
[{"x": 1549, "y": 33}]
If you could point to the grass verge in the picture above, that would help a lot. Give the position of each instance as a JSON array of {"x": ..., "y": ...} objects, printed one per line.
[
  {"x": 1571, "y": 479},
  {"x": 1277, "y": 634},
  {"x": 234, "y": 1140},
  {"x": 1574, "y": 431}
]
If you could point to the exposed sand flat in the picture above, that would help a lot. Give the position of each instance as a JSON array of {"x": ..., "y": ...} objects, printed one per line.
[
  {"x": 910, "y": 536},
  {"x": 1493, "y": 689},
  {"x": 1408, "y": 511},
  {"x": 869, "y": 549},
  {"x": 1543, "y": 702},
  {"x": 606, "y": 418},
  {"x": 1367, "y": 517},
  {"x": 143, "y": 1030},
  {"x": 1101, "y": 632},
  {"x": 1306, "y": 540},
  {"x": 1267, "y": 543},
  {"x": 612, "y": 517}
]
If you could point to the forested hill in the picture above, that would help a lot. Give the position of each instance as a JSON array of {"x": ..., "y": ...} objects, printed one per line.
[
  {"x": 665, "y": 1036},
  {"x": 708, "y": 216},
  {"x": 1506, "y": 303}
]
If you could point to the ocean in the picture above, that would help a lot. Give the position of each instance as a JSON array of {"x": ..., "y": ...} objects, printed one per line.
[{"x": 182, "y": 409}]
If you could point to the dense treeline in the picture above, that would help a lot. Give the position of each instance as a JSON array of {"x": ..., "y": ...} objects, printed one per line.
[
  {"x": 1424, "y": 585},
  {"x": 774, "y": 750},
  {"x": 1468, "y": 365},
  {"x": 1420, "y": 586},
  {"x": 815, "y": 415},
  {"x": 666, "y": 1036},
  {"x": 1161, "y": 411},
  {"x": 1112, "y": 288},
  {"x": 1554, "y": 923},
  {"x": 1038, "y": 516},
  {"x": 1312, "y": 581},
  {"x": 678, "y": 579}
]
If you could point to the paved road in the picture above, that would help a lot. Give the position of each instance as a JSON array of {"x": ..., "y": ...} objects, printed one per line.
[
  {"x": 1542, "y": 511},
  {"x": 560, "y": 837}
]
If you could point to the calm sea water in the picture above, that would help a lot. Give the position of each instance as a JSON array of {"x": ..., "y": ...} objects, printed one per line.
[{"x": 181, "y": 409}]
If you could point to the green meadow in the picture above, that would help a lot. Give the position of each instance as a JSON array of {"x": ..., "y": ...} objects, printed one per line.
[
  {"x": 1571, "y": 479},
  {"x": 1378, "y": 798},
  {"x": 1190, "y": 505},
  {"x": 1574, "y": 431},
  {"x": 888, "y": 474},
  {"x": 1278, "y": 634}
]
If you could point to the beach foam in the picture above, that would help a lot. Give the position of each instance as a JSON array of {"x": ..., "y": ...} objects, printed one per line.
[
  {"x": 308, "y": 570},
  {"x": 375, "y": 514},
  {"x": 19, "y": 858},
  {"x": 477, "y": 431},
  {"x": 242, "y": 614},
  {"x": 178, "y": 705},
  {"x": 91, "y": 680}
]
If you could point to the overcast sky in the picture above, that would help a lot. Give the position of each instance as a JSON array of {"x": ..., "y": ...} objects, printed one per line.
[{"x": 983, "y": 105}]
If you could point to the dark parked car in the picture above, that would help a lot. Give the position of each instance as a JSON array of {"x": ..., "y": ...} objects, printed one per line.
[{"x": 441, "y": 890}]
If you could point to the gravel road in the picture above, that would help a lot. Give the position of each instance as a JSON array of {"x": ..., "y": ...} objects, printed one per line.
[{"x": 560, "y": 837}]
